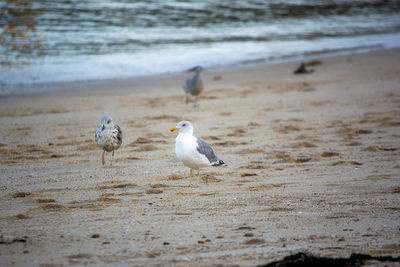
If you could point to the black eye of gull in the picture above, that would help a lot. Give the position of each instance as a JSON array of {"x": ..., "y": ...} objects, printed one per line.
[
  {"x": 184, "y": 124},
  {"x": 108, "y": 121}
]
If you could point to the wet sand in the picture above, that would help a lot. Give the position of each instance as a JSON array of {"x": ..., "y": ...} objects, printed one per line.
[{"x": 312, "y": 166}]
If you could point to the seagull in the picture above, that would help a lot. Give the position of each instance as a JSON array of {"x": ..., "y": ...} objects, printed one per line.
[
  {"x": 194, "y": 153},
  {"x": 108, "y": 136},
  {"x": 194, "y": 85}
]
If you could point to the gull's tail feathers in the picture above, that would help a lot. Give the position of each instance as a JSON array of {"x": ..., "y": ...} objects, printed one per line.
[{"x": 218, "y": 163}]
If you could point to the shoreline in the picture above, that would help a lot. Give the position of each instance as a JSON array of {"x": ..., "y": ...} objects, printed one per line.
[{"x": 98, "y": 84}]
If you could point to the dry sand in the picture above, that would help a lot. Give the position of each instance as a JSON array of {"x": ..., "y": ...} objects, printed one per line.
[{"x": 312, "y": 165}]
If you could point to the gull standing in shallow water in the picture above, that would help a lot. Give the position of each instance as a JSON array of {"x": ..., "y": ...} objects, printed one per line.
[
  {"x": 194, "y": 152},
  {"x": 194, "y": 85},
  {"x": 108, "y": 136}
]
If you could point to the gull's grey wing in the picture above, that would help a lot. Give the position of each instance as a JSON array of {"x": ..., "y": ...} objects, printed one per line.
[
  {"x": 188, "y": 85},
  {"x": 194, "y": 85},
  {"x": 98, "y": 132},
  {"x": 204, "y": 148},
  {"x": 118, "y": 134}
]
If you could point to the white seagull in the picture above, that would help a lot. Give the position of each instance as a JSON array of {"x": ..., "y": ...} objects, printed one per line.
[
  {"x": 194, "y": 152},
  {"x": 194, "y": 85},
  {"x": 108, "y": 136}
]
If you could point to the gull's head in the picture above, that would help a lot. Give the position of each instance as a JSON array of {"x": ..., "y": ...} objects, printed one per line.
[
  {"x": 199, "y": 69},
  {"x": 106, "y": 122},
  {"x": 183, "y": 127}
]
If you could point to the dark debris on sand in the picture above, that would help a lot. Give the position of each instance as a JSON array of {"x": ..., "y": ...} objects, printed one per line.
[
  {"x": 306, "y": 259},
  {"x": 302, "y": 69}
]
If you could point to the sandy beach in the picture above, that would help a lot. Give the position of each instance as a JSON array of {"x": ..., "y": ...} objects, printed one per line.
[{"x": 312, "y": 165}]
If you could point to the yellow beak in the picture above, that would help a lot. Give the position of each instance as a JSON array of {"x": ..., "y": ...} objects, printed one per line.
[{"x": 173, "y": 129}]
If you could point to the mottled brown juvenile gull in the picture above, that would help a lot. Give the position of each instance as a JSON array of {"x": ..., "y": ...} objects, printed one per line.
[
  {"x": 194, "y": 152},
  {"x": 108, "y": 136},
  {"x": 194, "y": 85}
]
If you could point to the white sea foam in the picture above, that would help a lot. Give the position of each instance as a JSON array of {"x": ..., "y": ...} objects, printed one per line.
[{"x": 180, "y": 58}]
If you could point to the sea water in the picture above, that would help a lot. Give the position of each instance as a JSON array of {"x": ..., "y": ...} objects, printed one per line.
[{"x": 79, "y": 40}]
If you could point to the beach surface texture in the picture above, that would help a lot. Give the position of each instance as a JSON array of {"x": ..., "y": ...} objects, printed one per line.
[{"x": 311, "y": 165}]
